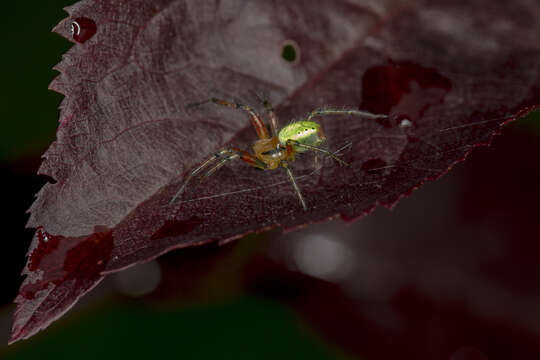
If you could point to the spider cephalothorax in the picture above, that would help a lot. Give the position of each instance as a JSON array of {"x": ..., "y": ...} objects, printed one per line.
[{"x": 275, "y": 150}]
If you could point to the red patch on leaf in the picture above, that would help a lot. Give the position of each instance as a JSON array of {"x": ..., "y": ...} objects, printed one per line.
[
  {"x": 88, "y": 258},
  {"x": 173, "y": 228},
  {"x": 47, "y": 243},
  {"x": 59, "y": 271},
  {"x": 385, "y": 86}
]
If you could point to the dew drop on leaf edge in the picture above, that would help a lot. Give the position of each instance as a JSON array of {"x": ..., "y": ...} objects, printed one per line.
[{"x": 82, "y": 29}]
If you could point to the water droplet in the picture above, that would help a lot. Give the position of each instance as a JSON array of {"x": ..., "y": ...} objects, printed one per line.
[
  {"x": 374, "y": 166},
  {"x": 82, "y": 29},
  {"x": 404, "y": 122},
  {"x": 290, "y": 52}
]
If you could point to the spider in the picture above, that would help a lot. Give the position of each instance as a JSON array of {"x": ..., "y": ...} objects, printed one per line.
[{"x": 275, "y": 150}]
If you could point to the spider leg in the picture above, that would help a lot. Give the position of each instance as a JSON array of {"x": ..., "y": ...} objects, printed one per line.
[
  {"x": 316, "y": 162},
  {"x": 314, "y": 148},
  {"x": 273, "y": 118},
  {"x": 261, "y": 129},
  {"x": 318, "y": 112},
  {"x": 218, "y": 166},
  {"x": 197, "y": 170},
  {"x": 238, "y": 154},
  {"x": 295, "y": 185},
  {"x": 225, "y": 155}
]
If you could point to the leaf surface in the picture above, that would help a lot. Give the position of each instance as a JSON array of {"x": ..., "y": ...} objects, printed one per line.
[{"x": 448, "y": 75}]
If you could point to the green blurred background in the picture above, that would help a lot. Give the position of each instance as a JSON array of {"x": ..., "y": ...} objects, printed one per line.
[{"x": 28, "y": 108}]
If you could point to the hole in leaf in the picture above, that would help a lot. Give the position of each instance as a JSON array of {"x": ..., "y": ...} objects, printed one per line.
[{"x": 290, "y": 52}]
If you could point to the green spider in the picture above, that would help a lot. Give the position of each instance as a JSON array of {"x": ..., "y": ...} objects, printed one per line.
[{"x": 277, "y": 150}]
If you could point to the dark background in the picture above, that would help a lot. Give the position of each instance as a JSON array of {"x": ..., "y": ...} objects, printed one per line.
[{"x": 451, "y": 273}]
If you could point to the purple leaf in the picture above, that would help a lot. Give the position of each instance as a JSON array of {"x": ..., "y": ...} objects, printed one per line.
[{"x": 447, "y": 74}]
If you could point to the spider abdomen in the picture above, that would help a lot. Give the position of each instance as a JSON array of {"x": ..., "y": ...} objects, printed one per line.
[{"x": 303, "y": 132}]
